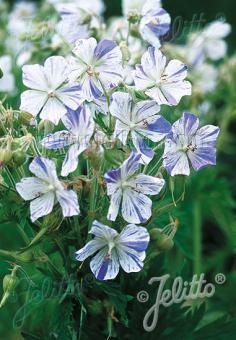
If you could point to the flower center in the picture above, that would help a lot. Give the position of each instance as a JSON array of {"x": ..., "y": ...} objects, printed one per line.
[{"x": 51, "y": 94}]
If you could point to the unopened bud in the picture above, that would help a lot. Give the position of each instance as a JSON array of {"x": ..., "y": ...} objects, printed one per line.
[
  {"x": 5, "y": 156},
  {"x": 19, "y": 157}
]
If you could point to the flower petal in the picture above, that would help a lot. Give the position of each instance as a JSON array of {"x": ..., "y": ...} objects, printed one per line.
[
  {"x": 56, "y": 71},
  {"x": 70, "y": 162},
  {"x": 130, "y": 261},
  {"x": 202, "y": 157},
  {"x": 89, "y": 249},
  {"x": 53, "y": 110},
  {"x": 136, "y": 207},
  {"x": 70, "y": 95},
  {"x": 114, "y": 203},
  {"x": 34, "y": 77},
  {"x": 69, "y": 202},
  {"x": 104, "y": 266},
  {"x": 121, "y": 106},
  {"x": 44, "y": 169},
  {"x": 42, "y": 205},
  {"x": 102, "y": 231},
  {"x": 32, "y": 101},
  {"x": 57, "y": 140},
  {"x": 177, "y": 163},
  {"x": 136, "y": 238},
  {"x": 148, "y": 185},
  {"x": 31, "y": 187}
]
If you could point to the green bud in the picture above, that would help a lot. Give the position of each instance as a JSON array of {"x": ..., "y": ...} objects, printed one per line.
[
  {"x": 10, "y": 281},
  {"x": 19, "y": 157},
  {"x": 124, "y": 51},
  {"x": 25, "y": 118},
  {"x": 161, "y": 240},
  {"x": 5, "y": 156},
  {"x": 133, "y": 17}
]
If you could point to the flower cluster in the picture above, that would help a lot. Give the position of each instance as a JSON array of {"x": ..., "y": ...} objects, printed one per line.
[{"x": 117, "y": 83}]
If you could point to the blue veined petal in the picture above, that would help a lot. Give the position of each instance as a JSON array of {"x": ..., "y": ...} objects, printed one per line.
[
  {"x": 32, "y": 101},
  {"x": 145, "y": 152},
  {"x": 134, "y": 237},
  {"x": 202, "y": 157},
  {"x": 114, "y": 204},
  {"x": 84, "y": 50},
  {"x": 121, "y": 106},
  {"x": 68, "y": 201},
  {"x": 176, "y": 70},
  {"x": 43, "y": 168},
  {"x": 57, "y": 140},
  {"x": 104, "y": 49},
  {"x": 130, "y": 261},
  {"x": 130, "y": 165},
  {"x": 136, "y": 207},
  {"x": 42, "y": 206},
  {"x": 89, "y": 249},
  {"x": 71, "y": 95},
  {"x": 113, "y": 176},
  {"x": 144, "y": 110},
  {"x": 103, "y": 231},
  {"x": 71, "y": 160},
  {"x": 31, "y": 187},
  {"x": 148, "y": 185},
  {"x": 176, "y": 163},
  {"x": 79, "y": 122},
  {"x": 53, "y": 110},
  {"x": 34, "y": 77},
  {"x": 105, "y": 266},
  {"x": 154, "y": 128},
  {"x": 207, "y": 136},
  {"x": 121, "y": 131},
  {"x": 187, "y": 125}
]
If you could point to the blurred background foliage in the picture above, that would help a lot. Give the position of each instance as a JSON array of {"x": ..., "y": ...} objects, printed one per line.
[{"x": 206, "y": 241}]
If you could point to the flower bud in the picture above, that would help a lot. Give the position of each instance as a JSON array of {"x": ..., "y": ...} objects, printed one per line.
[
  {"x": 10, "y": 281},
  {"x": 161, "y": 240},
  {"x": 125, "y": 51},
  {"x": 19, "y": 157},
  {"x": 25, "y": 118},
  {"x": 133, "y": 17},
  {"x": 5, "y": 156}
]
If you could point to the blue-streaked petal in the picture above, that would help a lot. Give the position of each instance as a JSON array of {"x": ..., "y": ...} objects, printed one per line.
[
  {"x": 129, "y": 260},
  {"x": 130, "y": 165},
  {"x": 42, "y": 206},
  {"x": 154, "y": 128},
  {"x": 84, "y": 50},
  {"x": 31, "y": 187},
  {"x": 146, "y": 153},
  {"x": 121, "y": 106},
  {"x": 176, "y": 71},
  {"x": 89, "y": 249},
  {"x": 71, "y": 95},
  {"x": 57, "y": 140},
  {"x": 144, "y": 110},
  {"x": 187, "y": 125},
  {"x": 102, "y": 231},
  {"x": 68, "y": 201},
  {"x": 148, "y": 185},
  {"x": 134, "y": 237},
  {"x": 114, "y": 206},
  {"x": 105, "y": 266},
  {"x": 71, "y": 160},
  {"x": 176, "y": 163},
  {"x": 136, "y": 207},
  {"x": 202, "y": 157},
  {"x": 173, "y": 92},
  {"x": 207, "y": 136},
  {"x": 43, "y": 168}
]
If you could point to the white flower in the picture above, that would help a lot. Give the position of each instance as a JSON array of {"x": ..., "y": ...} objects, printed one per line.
[
  {"x": 50, "y": 93},
  {"x": 45, "y": 190},
  {"x": 130, "y": 189},
  {"x": 126, "y": 249},
  {"x": 163, "y": 83},
  {"x": 209, "y": 43},
  {"x": 7, "y": 82},
  {"x": 139, "y": 120}
]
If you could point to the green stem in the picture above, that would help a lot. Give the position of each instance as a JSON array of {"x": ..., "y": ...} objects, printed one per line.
[{"x": 197, "y": 238}]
